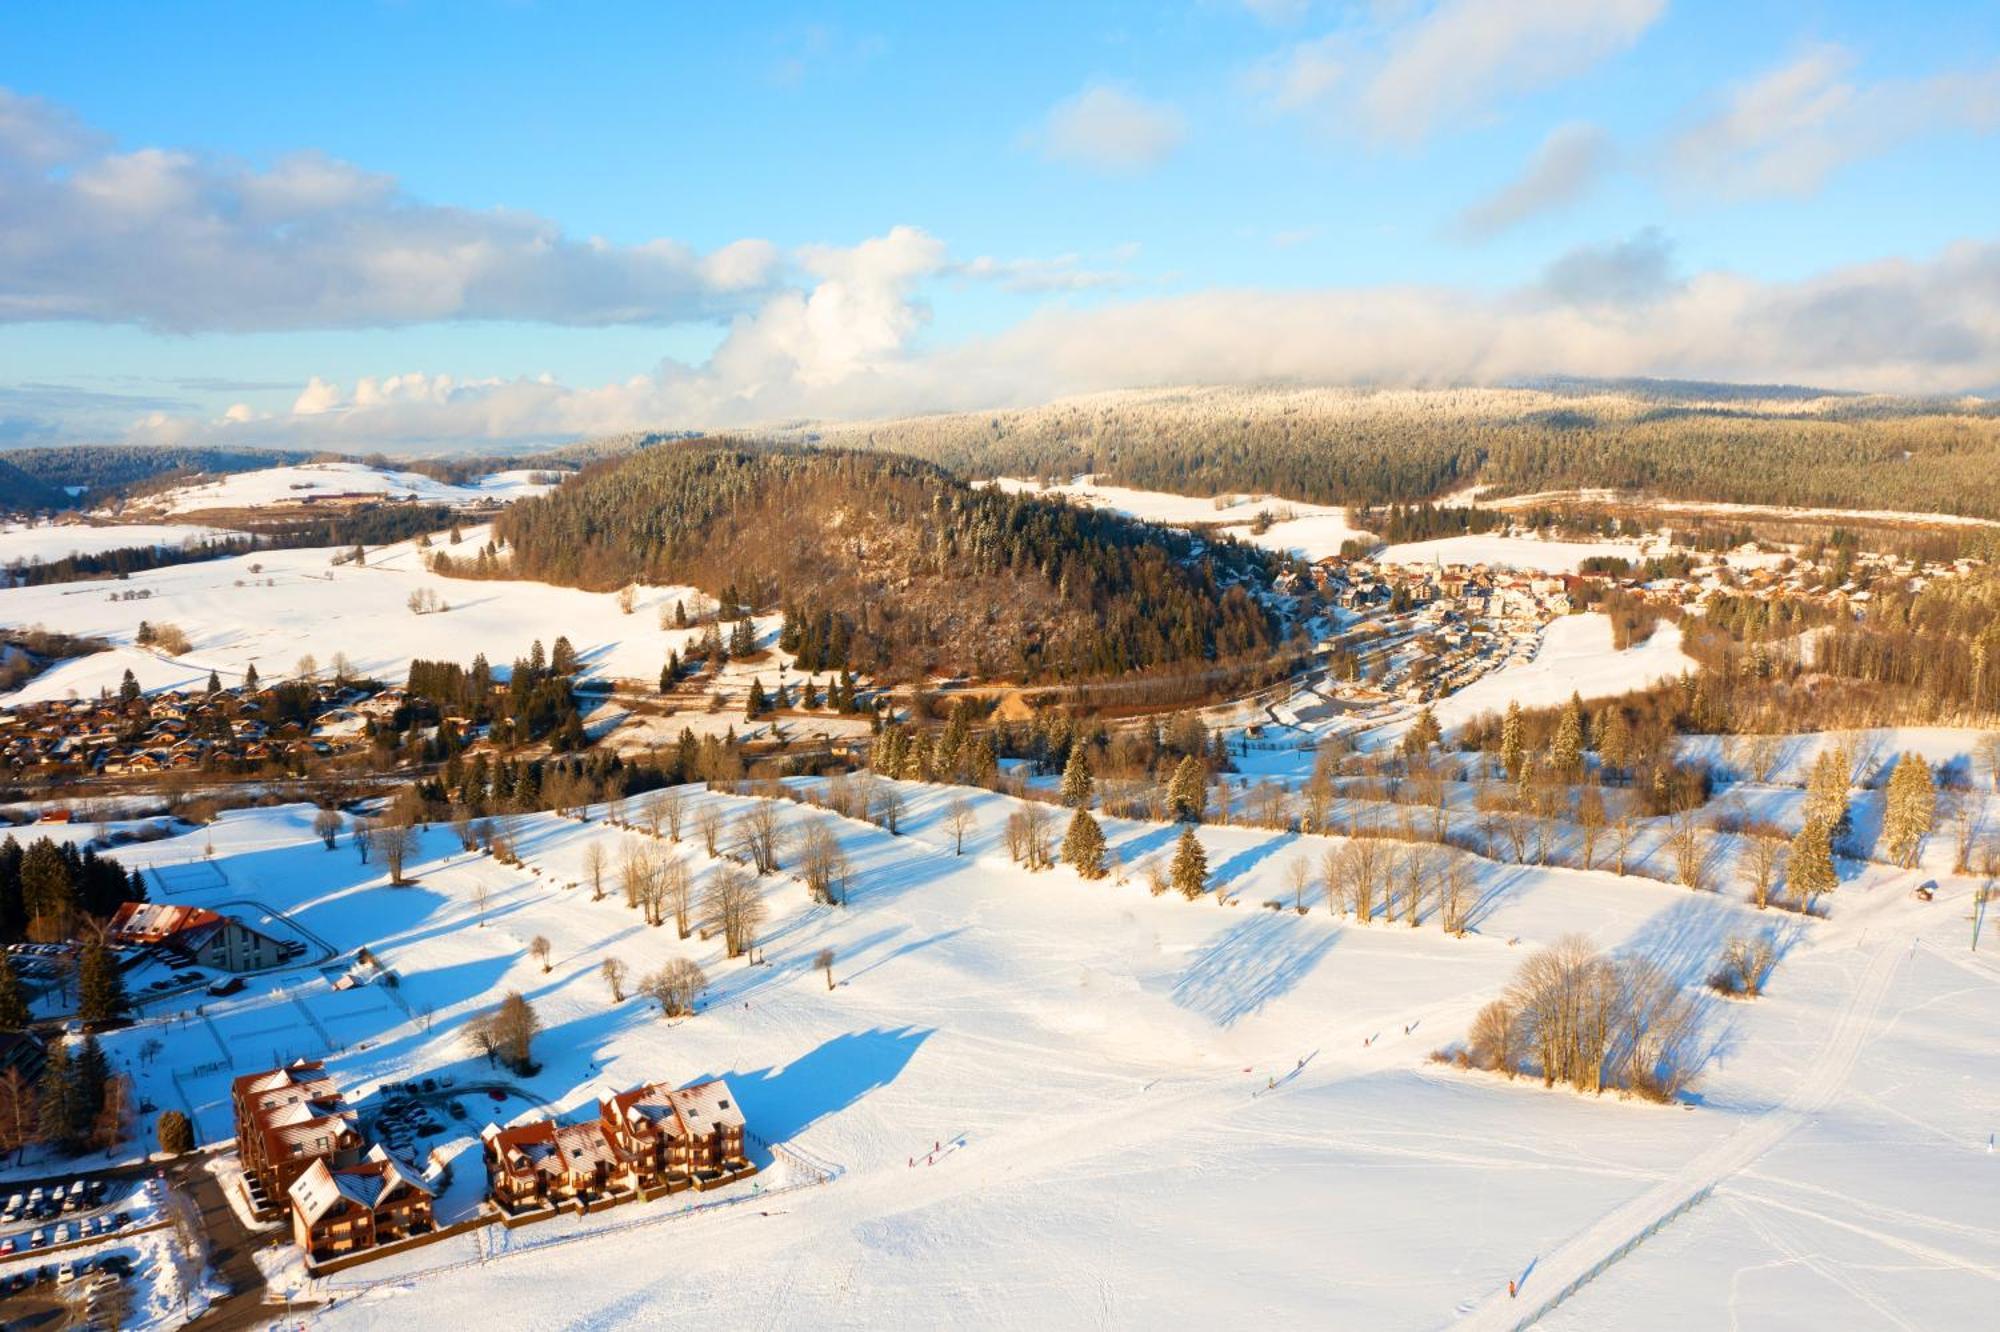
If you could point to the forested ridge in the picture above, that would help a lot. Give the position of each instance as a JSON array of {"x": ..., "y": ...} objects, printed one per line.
[
  {"x": 1342, "y": 446},
  {"x": 921, "y": 571}
]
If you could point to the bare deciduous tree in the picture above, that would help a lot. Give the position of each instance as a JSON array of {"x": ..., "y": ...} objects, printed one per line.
[
  {"x": 824, "y": 962},
  {"x": 675, "y": 986},
  {"x": 959, "y": 820},
  {"x": 594, "y": 859},
  {"x": 731, "y": 901},
  {"x": 823, "y": 865},
  {"x": 614, "y": 972},
  {"x": 541, "y": 950}
]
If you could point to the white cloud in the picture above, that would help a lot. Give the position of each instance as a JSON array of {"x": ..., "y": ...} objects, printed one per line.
[
  {"x": 1787, "y": 130},
  {"x": 1413, "y": 69},
  {"x": 1569, "y": 163},
  {"x": 184, "y": 242},
  {"x": 1108, "y": 128},
  {"x": 848, "y": 346}
]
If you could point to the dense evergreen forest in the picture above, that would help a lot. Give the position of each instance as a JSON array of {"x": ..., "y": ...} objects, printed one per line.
[
  {"x": 105, "y": 468},
  {"x": 920, "y": 571},
  {"x": 1372, "y": 448}
]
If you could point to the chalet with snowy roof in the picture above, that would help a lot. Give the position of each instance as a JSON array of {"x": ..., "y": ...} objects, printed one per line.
[
  {"x": 533, "y": 1165},
  {"x": 672, "y": 1134},
  {"x": 654, "y": 1137},
  {"x": 286, "y": 1119},
  {"x": 342, "y": 1209},
  {"x": 205, "y": 938}
]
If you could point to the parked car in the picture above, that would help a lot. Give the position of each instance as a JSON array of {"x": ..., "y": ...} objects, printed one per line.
[
  {"x": 232, "y": 985},
  {"x": 65, "y": 1274},
  {"x": 7, "y": 1245},
  {"x": 63, "y": 1233},
  {"x": 122, "y": 1220},
  {"x": 39, "y": 1239}
]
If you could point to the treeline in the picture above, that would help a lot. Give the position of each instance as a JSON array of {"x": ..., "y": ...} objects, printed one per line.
[
  {"x": 102, "y": 468},
  {"x": 49, "y": 889},
  {"x": 376, "y": 525},
  {"x": 1373, "y": 448},
  {"x": 897, "y": 566},
  {"x": 1426, "y": 522},
  {"x": 536, "y": 702}
]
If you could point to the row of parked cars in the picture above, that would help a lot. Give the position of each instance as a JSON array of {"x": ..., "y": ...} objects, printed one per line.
[
  {"x": 91, "y": 1227},
  {"x": 38, "y": 1204},
  {"x": 111, "y": 1266}
]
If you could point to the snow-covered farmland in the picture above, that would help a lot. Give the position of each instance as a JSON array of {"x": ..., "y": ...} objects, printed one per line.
[
  {"x": 45, "y": 543},
  {"x": 1503, "y": 552},
  {"x": 271, "y": 607},
  {"x": 1041, "y": 1095},
  {"x": 304, "y": 481},
  {"x": 1312, "y": 531}
]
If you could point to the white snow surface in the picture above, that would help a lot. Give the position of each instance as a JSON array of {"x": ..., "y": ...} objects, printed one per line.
[
  {"x": 1313, "y": 532},
  {"x": 1575, "y": 656},
  {"x": 1524, "y": 553},
  {"x": 293, "y": 484},
  {"x": 299, "y": 602},
  {"x": 1125, "y": 1110},
  {"x": 47, "y": 542}
]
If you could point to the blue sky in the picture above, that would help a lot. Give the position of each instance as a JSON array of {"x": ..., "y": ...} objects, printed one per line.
[{"x": 1088, "y": 195}]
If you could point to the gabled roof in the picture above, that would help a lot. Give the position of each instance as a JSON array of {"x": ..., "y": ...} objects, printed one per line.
[{"x": 369, "y": 1184}]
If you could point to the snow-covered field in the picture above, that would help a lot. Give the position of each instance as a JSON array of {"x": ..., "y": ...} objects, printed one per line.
[
  {"x": 1312, "y": 532},
  {"x": 296, "y": 602},
  {"x": 1576, "y": 656},
  {"x": 47, "y": 542},
  {"x": 1502, "y": 552},
  {"x": 1052, "y": 1102},
  {"x": 295, "y": 484}
]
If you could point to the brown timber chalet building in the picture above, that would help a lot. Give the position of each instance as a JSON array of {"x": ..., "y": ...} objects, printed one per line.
[
  {"x": 652, "y": 1139},
  {"x": 287, "y": 1120}
]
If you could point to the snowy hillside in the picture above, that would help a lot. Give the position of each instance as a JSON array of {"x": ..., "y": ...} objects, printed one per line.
[
  {"x": 296, "y": 484},
  {"x": 1046, "y": 1101},
  {"x": 271, "y": 607}
]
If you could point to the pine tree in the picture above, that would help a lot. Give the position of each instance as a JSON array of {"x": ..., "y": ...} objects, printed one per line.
[
  {"x": 1513, "y": 748},
  {"x": 128, "y": 688},
  {"x": 757, "y": 703},
  {"x": 1423, "y": 733},
  {"x": 1189, "y": 874},
  {"x": 1566, "y": 749},
  {"x": 1826, "y": 792},
  {"x": 14, "y": 1014},
  {"x": 1910, "y": 810},
  {"x": 1614, "y": 741},
  {"x": 1076, "y": 779},
  {"x": 1187, "y": 793},
  {"x": 214, "y": 683},
  {"x": 90, "y": 1076},
  {"x": 562, "y": 657},
  {"x": 100, "y": 987},
  {"x": 743, "y": 638},
  {"x": 1810, "y": 869},
  {"x": 667, "y": 678},
  {"x": 250, "y": 677},
  {"x": 58, "y": 1099},
  {"x": 1083, "y": 845}
]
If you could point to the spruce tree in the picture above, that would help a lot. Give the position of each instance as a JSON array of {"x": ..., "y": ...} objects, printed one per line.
[
  {"x": 1423, "y": 733},
  {"x": 176, "y": 1134},
  {"x": 1189, "y": 874},
  {"x": 57, "y": 1097},
  {"x": 1187, "y": 793},
  {"x": 757, "y": 704},
  {"x": 1614, "y": 741},
  {"x": 1910, "y": 810},
  {"x": 1083, "y": 845},
  {"x": 214, "y": 683},
  {"x": 1513, "y": 746},
  {"x": 1566, "y": 749},
  {"x": 14, "y": 1014},
  {"x": 1076, "y": 779},
  {"x": 90, "y": 1076},
  {"x": 1810, "y": 869},
  {"x": 250, "y": 677},
  {"x": 128, "y": 688},
  {"x": 100, "y": 987}
]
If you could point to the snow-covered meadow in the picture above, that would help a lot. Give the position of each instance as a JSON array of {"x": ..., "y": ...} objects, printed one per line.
[
  {"x": 1047, "y": 1100},
  {"x": 272, "y": 607},
  {"x": 296, "y": 483},
  {"x": 1310, "y": 531},
  {"x": 44, "y": 543}
]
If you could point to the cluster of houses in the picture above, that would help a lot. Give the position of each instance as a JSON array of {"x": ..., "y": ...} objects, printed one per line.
[
  {"x": 304, "y": 1155},
  {"x": 642, "y": 1143},
  {"x": 189, "y": 730},
  {"x": 1474, "y": 592}
]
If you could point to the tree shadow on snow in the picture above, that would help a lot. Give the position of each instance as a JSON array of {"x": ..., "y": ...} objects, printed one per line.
[
  {"x": 1254, "y": 962},
  {"x": 782, "y": 1102},
  {"x": 1250, "y": 857}
]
